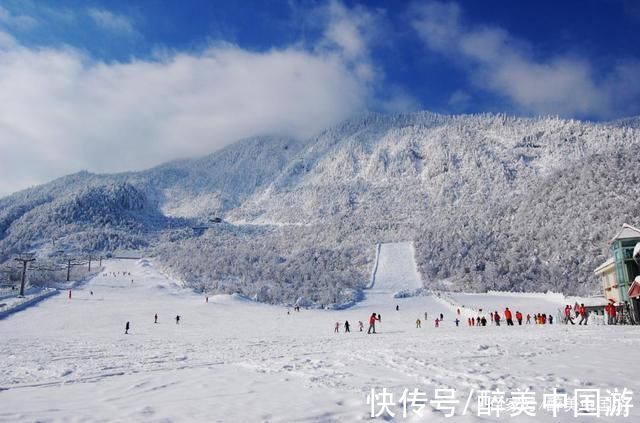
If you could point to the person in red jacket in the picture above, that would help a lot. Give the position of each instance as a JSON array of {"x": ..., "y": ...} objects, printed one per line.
[
  {"x": 508, "y": 317},
  {"x": 372, "y": 323},
  {"x": 583, "y": 315},
  {"x": 611, "y": 312},
  {"x": 519, "y": 317},
  {"x": 567, "y": 315}
]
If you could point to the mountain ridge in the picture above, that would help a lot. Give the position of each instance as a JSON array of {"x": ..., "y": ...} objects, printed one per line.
[{"x": 479, "y": 195}]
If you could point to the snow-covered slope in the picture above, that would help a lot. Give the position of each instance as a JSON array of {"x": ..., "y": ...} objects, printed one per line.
[
  {"x": 396, "y": 269},
  {"x": 399, "y": 166},
  {"x": 232, "y": 360},
  {"x": 199, "y": 189}
]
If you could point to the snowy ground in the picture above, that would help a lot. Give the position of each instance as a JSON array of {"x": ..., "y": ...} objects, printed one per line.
[{"x": 237, "y": 361}]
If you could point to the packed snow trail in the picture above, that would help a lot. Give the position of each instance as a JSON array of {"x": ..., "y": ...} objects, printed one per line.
[
  {"x": 396, "y": 268},
  {"x": 232, "y": 360}
]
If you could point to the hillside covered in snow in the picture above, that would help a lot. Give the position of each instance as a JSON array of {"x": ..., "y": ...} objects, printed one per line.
[{"x": 490, "y": 201}]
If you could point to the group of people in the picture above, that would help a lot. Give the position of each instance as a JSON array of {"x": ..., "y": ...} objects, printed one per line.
[
  {"x": 579, "y": 310},
  {"x": 295, "y": 308},
  {"x": 375, "y": 317},
  {"x": 496, "y": 318},
  {"x": 127, "y": 326},
  {"x": 116, "y": 274}
]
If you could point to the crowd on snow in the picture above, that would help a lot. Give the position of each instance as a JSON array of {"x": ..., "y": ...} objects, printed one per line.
[{"x": 569, "y": 315}]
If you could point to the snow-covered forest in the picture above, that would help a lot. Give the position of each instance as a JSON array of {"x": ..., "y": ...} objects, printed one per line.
[{"x": 491, "y": 201}]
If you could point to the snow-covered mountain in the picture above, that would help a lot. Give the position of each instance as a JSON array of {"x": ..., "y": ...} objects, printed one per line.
[
  {"x": 151, "y": 200},
  {"x": 491, "y": 201}
]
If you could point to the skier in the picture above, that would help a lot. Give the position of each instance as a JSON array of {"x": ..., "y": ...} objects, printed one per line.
[
  {"x": 155, "y": 318},
  {"x": 397, "y": 307},
  {"x": 418, "y": 323},
  {"x": 337, "y": 328},
  {"x": 69, "y": 294},
  {"x": 361, "y": 325},
  {"x": 425, "y": 316},
  {"x": 437, "y": 322},
  {"x": 507, "y": 316},
  {"x": 441, "y": 317},
  {"x": 347, "y": 326},
  {"x": 519, "y": 317},
  {"x": 457, "y": 321},
  {"x": 177, "y": 319},
  {"x": 483, "y": 321},
  {"x": 551, "y": 319},
  {"x": 496, "y": 317},
  {"x": 528, "y": 319},
  {"x": 91, "y": 292},
  {"x": 372, "y": 323},
  {"x": 379, "y": 318},
  {"x": 206, "y": 300},
  {"x": 126, "y": 329}
]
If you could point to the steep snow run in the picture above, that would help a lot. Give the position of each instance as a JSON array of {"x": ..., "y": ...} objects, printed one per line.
[{"x": 396, "y": 268}]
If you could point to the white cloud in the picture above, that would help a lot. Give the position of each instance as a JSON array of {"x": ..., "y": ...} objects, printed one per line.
[
  {"x": 110, "y": 21},
  {"x": 61, "y": 111},
  {"x": 6, "y": 40},
  {"x": 505, "y": 65},
  {"x": 17, "y": 21},
  {"x": 459, "y": 101},
  {"x": 351, "y": 32}
]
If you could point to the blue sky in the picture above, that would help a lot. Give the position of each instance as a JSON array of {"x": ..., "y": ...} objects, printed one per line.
[{"x": 168, "y": 79}]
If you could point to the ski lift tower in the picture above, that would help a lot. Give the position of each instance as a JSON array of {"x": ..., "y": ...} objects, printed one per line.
[{"x": 25, "y": 259}]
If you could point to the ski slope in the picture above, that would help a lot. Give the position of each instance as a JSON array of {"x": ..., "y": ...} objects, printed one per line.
[
  {"x": 396, "y": 268},
  {"x": 232, "y": 360}
]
